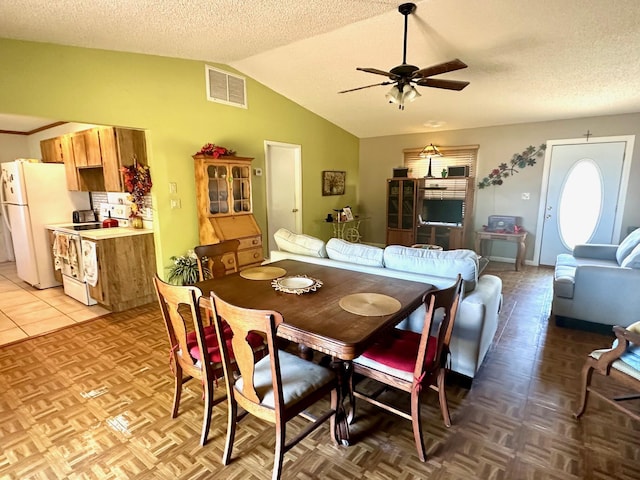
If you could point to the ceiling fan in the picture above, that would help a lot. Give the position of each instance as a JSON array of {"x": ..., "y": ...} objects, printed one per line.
[{"x": 405, "y": 76}]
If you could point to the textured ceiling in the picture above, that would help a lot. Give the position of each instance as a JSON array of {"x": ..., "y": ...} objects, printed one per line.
[{"x": 528, "y": 61}]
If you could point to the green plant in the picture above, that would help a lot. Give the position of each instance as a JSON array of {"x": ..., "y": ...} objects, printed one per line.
[{"x": 184, "y": 270}]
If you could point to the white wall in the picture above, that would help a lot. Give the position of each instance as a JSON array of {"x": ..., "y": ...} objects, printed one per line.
[{"x": 379, "y": 155}]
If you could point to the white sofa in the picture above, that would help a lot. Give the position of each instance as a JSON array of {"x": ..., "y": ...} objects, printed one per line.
[{"x": 477, "y": 318}]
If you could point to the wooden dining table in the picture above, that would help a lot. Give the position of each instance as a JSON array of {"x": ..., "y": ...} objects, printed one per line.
[{"x": 316, "y": 319}]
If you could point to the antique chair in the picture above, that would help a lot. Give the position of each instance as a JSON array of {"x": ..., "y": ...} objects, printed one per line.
[
  {"x": 194, "y": 351},
  {"x": 217, "y": 259},
  {"x": 409, "y": 361},
  {"x": 278, "y": 387},
  {"x": 621, "y": 362}
]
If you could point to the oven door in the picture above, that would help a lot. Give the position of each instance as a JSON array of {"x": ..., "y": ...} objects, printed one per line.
[{"x": 69, "y": 251}]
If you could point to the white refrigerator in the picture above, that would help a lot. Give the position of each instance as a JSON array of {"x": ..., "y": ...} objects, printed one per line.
[{"x": 34, "y": 195}]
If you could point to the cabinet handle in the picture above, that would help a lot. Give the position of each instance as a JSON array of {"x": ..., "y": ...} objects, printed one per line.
[
  {"x": 255, "y": 255},
  {"x": 254, "y": 241}
]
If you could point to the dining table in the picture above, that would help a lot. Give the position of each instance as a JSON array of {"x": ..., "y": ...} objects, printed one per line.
[{"x": 319, "y": 316}]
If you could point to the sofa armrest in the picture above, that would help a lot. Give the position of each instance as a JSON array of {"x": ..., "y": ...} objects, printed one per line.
[{"x": 596, "y": 250}]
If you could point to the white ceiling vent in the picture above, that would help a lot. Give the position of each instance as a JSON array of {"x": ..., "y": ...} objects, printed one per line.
[{"x": 225, "y": 87}]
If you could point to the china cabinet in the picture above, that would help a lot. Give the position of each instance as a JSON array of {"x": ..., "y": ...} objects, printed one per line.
[{"x": 224, "y": 202}]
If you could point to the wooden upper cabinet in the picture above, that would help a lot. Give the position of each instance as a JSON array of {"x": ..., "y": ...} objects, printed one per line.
[
  {"x": 73, "y": 182},
  {"x": 86, "y": 148},
  {"x": 51, "y": 150},
  {"x": 119, "y": 147}
]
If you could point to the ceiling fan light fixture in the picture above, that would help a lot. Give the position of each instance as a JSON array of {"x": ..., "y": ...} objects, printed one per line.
[
  {"x": 410, "y": 94},
  {"x": 394, "y": 95}
]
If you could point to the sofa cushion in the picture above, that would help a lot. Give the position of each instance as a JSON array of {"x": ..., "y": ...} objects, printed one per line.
[
  {"x": 633, "y": 259},
  {"x": 299, "y": 243},
  {"x": 344, "y": 251},
  {"x": 627, "y": 245},
  {"x": 434, "y": 262}
]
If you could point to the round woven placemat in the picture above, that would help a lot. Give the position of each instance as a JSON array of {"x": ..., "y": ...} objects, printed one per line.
[
  {"x": 263, "y": 273},
  {"x": 369, "y": 304}
]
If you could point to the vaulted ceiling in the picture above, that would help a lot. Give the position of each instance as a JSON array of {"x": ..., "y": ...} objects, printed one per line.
[{"x": 527, "y": 61}]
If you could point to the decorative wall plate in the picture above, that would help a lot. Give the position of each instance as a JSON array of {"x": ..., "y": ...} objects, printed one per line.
[{"x": 297, "y": 284}]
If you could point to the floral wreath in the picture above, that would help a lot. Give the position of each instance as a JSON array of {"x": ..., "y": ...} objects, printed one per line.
[
  {"x": 137, "y": 181},
  {"x": 519, "y": 160},
  {"x": 215, "y": 151}
]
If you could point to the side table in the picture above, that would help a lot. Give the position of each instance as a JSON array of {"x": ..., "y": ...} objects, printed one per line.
[{"x": 519, "y": 238}]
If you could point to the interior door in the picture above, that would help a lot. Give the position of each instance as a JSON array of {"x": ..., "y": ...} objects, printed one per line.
[
  {"x": 284, "y": 188},
  {"x": 583, "y": 202}
]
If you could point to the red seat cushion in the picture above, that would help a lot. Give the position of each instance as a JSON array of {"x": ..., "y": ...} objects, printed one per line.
[
  {"x": 400, "y": 350},
  {"x": 211, "y": 341}
]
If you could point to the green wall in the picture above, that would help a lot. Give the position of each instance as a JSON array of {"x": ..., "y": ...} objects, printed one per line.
[{"x": 166, "y": 96}]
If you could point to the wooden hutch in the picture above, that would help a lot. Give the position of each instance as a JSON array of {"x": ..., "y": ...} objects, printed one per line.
[
  {"x": 223, "y": 194},
  {"x": 405, "y": 200}
]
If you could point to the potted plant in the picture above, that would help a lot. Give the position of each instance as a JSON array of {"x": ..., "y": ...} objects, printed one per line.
[{"x": 184, "y": 270}]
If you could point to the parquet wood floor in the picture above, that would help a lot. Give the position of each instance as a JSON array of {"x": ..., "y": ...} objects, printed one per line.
[{"x": 92, "y": 401}]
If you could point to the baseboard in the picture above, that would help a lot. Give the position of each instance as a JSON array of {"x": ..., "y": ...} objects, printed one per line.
[{"x": 576, "y": 324}]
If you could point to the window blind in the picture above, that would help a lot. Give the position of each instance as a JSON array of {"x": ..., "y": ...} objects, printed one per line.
[{"x": 456, "y": 156}]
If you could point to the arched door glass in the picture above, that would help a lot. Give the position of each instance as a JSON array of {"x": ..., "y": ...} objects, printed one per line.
[{"x": 580, "y": 204}]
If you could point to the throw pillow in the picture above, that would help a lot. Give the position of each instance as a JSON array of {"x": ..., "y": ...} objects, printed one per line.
[
  {"x": 627, "y": 245},
  {"x": 299, "y": 243},
  {"x": 633, "y": 259}
]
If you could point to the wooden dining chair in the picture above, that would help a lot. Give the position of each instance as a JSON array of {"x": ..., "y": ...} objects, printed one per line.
[
  {"x": 278, "y": 387},
  {"x": 193, "y": 348},
  {"x": 217, "y": 259},
  {"x": 620, "y": 363},
  {"x": 410, "y": 361}
]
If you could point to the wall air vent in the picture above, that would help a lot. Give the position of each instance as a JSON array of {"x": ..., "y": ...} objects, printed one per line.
[{"x": 225, "y": 87}]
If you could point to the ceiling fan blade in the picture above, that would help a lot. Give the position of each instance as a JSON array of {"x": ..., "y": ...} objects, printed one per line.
[
  {"x": 446, "y": 84},
  {"x": 445, "y": 67},
  {"x": 392, "y": 76},
  {"x": 367, "y": 86}
]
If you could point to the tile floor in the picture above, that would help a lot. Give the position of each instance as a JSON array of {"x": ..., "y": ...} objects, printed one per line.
[{"x": 26, "y": 311}]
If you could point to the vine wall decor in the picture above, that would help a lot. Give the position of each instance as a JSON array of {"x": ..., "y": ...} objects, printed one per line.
[{"x": 518, "y": 161}]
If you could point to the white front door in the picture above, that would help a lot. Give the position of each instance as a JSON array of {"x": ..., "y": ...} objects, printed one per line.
[
  {"x": 284, "y": 188},
  {"x": 585, "y": 186}
]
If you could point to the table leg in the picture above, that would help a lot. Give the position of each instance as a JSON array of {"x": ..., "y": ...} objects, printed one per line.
[
  {"x": 343, "y": 370},
  {"x": 520, "y": 257}
]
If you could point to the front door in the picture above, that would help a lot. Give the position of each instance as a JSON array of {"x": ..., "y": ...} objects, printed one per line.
[
  {"x": 586, "y": 185},
  {"x": 284, "y": 189}
]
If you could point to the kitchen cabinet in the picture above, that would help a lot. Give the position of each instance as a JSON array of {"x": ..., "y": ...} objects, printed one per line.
[
  {"x": 224, "y": 203},
  {"x": 51, "y": 150},
  {"x": 126, "y": 266},
  {"x": 93, "y": 157}
]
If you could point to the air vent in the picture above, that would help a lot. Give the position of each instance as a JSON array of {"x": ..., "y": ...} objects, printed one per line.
[{"x": 224, "y": 87}]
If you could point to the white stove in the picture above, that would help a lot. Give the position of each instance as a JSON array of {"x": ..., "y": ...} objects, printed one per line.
[{"x": 118, "y": 211}]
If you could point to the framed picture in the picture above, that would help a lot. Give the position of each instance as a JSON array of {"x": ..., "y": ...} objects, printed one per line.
[
  {"x": 333, "y": 182},
  {"x": 348, "y": 214}
]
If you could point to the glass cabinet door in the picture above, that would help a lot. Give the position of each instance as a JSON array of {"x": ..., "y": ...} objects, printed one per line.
[
  {"x": 218, "y": 189},
  {"x": 408, "y": 207},
  {"x": 393, "y": 204},
  {"x": 241, "y": 188}
]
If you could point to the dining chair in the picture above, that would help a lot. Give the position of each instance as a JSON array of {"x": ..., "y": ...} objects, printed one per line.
[
  {"x": 217, "y": 259},
  {"x": 194, "y": 350},
  {"x": 410, "y": 361},
  {"x": 278, "y": 387},
  {"x": 621, "y": 363}
]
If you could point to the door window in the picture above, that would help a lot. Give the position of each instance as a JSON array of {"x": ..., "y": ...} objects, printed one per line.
[{"x": 580, "y": 204}]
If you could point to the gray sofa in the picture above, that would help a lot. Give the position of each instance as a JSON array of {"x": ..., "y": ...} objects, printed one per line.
[
  {"x": 598, "y": 284},
  {"x": 477, "y": 319}
]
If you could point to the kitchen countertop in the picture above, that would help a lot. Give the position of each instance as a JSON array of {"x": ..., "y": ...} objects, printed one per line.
[{"x": 100, "y": 233}]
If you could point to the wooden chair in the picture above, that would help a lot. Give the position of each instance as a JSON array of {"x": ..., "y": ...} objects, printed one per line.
[
  {"x": 278, "y": 387},
  {"x": 217, "y": 259},
  {"x": 194, "y": 351},
  {"x": 409, "y": 361},
  {"x": 621, "y": 363}
]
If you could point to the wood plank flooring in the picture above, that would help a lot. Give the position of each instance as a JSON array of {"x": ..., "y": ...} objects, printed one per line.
[{"x": 92, "y": 401}]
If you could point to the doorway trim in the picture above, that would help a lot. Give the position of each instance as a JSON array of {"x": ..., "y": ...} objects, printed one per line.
[
  {"x": 297, "y": 180},
  {"x": 622, "y": 193}
]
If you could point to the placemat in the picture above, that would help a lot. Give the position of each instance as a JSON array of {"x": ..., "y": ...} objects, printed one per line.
[
  {"x": 369, "y": 304},
  {"x": 263, "y": 273}
]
